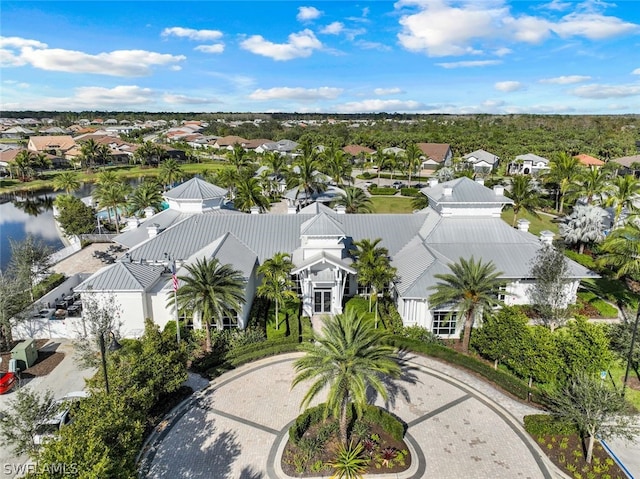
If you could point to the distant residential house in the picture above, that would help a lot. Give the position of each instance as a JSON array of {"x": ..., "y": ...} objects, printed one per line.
[
  {"x": 284, "y": 147},
  {"x": 228, "y": 142},
  {"x": 394, "y": 150},
  {"x": 358, "y": 152},
  {"x": 111, "y": 121},
  {"x": 435, "y": 155},
  {"x": 481, "y": 160},
  {"x": 54, "y": 130},
  {"x": 589, "y": 161},
  {"x": 16, "y": 133},
  {"x": 54, "y": 145},
  {"x": 7, "y": 157},
  {"x": 256, "y": 143},
  {"x": 528, "y": 164},
  {"x": 629, "y": 164}
]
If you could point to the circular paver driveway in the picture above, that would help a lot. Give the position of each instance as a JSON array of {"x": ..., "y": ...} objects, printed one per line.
[{"x": 233, "y": 428}]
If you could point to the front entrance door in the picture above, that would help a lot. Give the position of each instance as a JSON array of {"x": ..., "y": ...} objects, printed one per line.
[{"x": 322, "y": 301}]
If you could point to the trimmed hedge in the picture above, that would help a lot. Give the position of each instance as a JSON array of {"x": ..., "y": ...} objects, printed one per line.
[
  {"x": 49, "y": 283},
  {"x": 382, "y": 191},
  {"x": 388, "y": 422},
  {"x": 268, "y": 350},
  {"x": 545, "y": 424},
  {"x": 505, "y": 380},
  {"x": 583, "y": 259},
  {"x": 409, "y": 191}
]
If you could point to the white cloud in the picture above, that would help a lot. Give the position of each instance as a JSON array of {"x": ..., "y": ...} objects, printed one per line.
[
  {"x": 376, "y": 105},
  {"x": 300, "y": 45},
  {"x": 508, "y": 86},
  {"x": 593, "y": 26},
  {"x": 333, "y": 28},
  {"x": 191, "y": 34},
  {"x": 636, "y": 71},
  {"x": 308, "y": 13},
  {"x": 387, "y": 91},
  {"x": 215, "y": 48},
  {"x": 288, "y": 93},
  {"x": 565, "y": 79},
  {"x": 186, "y": 100},
  {"x": 557, "y": 5},
  {"x": 597, "y": 91},
  {"x": 440, "y": 30},
  {"x": 469, "y": 64},
  {"x": 126, "y": 63},
  {"x": 366, "y": 45},
  {"x": 500, "y": 52}
]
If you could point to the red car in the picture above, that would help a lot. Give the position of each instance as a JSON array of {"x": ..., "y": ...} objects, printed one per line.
[{"x": 7, "y": 381}]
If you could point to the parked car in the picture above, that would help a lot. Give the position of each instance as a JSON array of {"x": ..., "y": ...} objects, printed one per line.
[
  {"x": 7, "y": 381},
  {"x": 60, "y": 414},
  {"x": 397, "y": 185}
]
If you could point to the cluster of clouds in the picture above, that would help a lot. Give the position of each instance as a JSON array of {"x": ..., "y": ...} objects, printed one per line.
[{"x": 485, "y": 31}]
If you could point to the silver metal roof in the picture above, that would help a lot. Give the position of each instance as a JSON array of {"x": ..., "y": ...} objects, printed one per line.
[
  {"x": 533, "y": 158},
  {"x": 482, "y": 155},
  {"x": 464, "y": 191},
  {"x": 195, "y": 189},
  {"x": 122, "y": 276},
  {"x": 321, "y": 225}
]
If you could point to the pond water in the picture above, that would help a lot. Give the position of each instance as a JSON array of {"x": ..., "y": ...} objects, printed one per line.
[{"x": 32, "y": 214}]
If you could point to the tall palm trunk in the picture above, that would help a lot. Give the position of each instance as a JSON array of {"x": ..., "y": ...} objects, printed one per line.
[
  {"x": 277, "y": 318},
  {"x": 207, "y": 344},
  {"x": 466, "y": 335},
  {"x": 343, "y": 420}
]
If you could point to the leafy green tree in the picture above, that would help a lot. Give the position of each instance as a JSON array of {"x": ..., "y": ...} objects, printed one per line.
[
  {"x": 276, "y": 281},
  {"x": 620, "y": 337},
  {"x": 336, "y": 165},
  {"x": 23, "y": 165},
  {"x": 354, "y": 200},
  {"x": 212, "y": 291},
  {"x": 347, "y": 358},
  {"x": 170, "y": 172},
  {"x": 583, "y": 226},
  {"x": 370, "y": 260},
  {"x": 149, "y": 152},
  {"x": 501, "y": 335},
  {"x": 584, "y": 346},
  {"x": 30, "y": 260},
  {"x": 549, "y": 295},
  {"x": 18, "y": 427},
  {"x": 146, "y": 195},
  {"x": 595, "y": 409},
  {"x": 106, "y": 178},
  {"x": 592, "y": 184},
  {"x": 238, "y": 157},
  {"x": 67, "y": 181},
  {"x": 539, "y": 357},
  {"x": 74, "y": 216},
  {"x": 525, "y": 196},
  {"x": 308, "y": 177},
  {"x": 471, "y": 288},
  {"x": 14, "y": 298},
  {"x": 89, "y": 153}
]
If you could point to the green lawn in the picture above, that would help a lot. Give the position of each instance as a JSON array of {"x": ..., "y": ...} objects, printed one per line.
[
  {"x": 537, "y": 224},
  {"x": 46, "y": 180},
  {"x": 617, "y": 372},
  {"x": 613, "y": 290},
  {"x": 391, "y": 204}
]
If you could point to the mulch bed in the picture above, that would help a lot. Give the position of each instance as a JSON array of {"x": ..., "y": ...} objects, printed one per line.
[
  {"x": 327, "y": 453},
  {"x": 47, "y": 361},
  {"x": 568, "y": 453}
]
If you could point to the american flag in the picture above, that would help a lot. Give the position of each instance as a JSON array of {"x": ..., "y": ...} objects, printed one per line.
[{"x": 174, "y": 277}]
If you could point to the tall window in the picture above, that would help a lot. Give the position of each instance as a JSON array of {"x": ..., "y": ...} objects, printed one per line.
[
  {"x": 502, "y": 292},
  {"x": 443, "y": 323}
]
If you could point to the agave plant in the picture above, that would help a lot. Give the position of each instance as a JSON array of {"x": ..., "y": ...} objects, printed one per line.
[{"x": 349, "y": 463}]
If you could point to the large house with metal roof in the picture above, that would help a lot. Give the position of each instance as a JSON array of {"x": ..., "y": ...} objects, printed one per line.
[{"x": 462, "y": 220}]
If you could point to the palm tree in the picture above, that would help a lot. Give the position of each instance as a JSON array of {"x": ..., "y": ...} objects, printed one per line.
[
  {"x": 308, "y": 176},
  {"x": 276, "y": 280},
  {"x": 237, "y": 157},
  {"x": 354, "y": 199},
  {"x": 621, "y": 251},
  {"x": 147, "y": 152},
  {"x": 112, "y": 196},
  {"x": 249, "y": 194},
  {"x": 67, "y": 181},
  {"x": 623, "y": 194},
  {"x": 371, "y": 260},
  {"x": 347, "y": 358},
  {"x": 89, "y": 152},
  {"x": 276, "y": 162},
  {"x": 592, "y": 183},
  {"x": 583, "y": 226},
  {"x": 336, "y": 165},
  {"x": 525, "y": 196},
  {"x": 381, "y": 160},
  {"x": 211, "y": 290},
  {"x": 564, "y": 170},
  {"x": 107, "y": 177},
  {"x": 146, "y": 195},
  {"x": 412, "y": 157},
  {"x": 170, "y": 172},
  {"x": 470, "y": 288},
  {"x": 23, "y": 165}
]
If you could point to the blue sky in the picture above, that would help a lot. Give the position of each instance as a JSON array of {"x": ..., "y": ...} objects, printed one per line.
[{"x": 425, "y": 56}]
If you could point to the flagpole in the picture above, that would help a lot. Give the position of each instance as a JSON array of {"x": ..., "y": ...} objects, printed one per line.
[{"x": 175, "y": 298}]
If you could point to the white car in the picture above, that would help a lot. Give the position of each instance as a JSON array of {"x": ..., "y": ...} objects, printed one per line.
[{"x": 60, "y": 414}]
